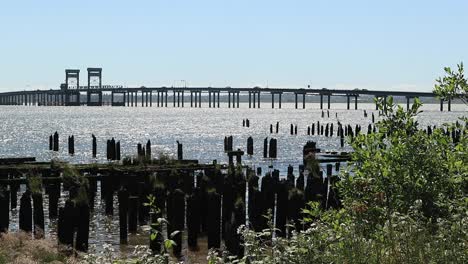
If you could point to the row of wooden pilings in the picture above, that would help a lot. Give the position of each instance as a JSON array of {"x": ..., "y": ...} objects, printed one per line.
[{"x": 210, "y": 203}]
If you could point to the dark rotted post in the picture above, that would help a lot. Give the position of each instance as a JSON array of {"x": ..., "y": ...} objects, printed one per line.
[
  {"x": 214, "y": 220},
  {"x": 193, "y": 220},
  {"x": 108, "y": 150},
  {"x": 176, "y": 213},
  {"x": 235, "y": 219},
  {"x": 321, "y": 130},
  {"x": 143, "y": 212},
  {"x": 243, "y": 122},
  {"x": 109, "y": 196},
  {"x": 265, "y": 148},
  {"x": 38, "y": 215},
  {"x": 148, "y": 150},
  {"x": 82, "y": 231},
  {"x": 25, "y": 213},
  {"x": 328, "y": 114},
  {"x": 71, "y": 147},
  {"x": 341, "y": 139},
  {"x": 292, "y": 129},
  {"x": 51, "y": 142},
  {"x": 308, "y": 130},
  {"x": 295, "y": 205},
  {"x": 277, "y": 127},
  {"x": 117, "y": 150},
  {"x": 295, "y": 130},
  {"x": 56, "y": 141},
  {"x": 331, "y": 130},
  {"x": 250, "y": 146},
  {"x": 318, "y": 128},
  {"x": 312, "y": 129},
  {"x": 271, "y": 128},
  {"x": 273, "y": 149},
  {"x": 180, "y": 151},
  {"x": 247, "y": 123},
  {"x": 112, "y": 149},
  {"x": 373, "y": 118},
  {"x": 225, "y": 144},
  {"x": 132, "y": 214},
  {"x": 337, "y": 166},
  {"x": 326, "y": 130},
  {"x": 123, "y": 215},
  {"x": 4, "y": 210},
  {"x": 323, "y": 114},
  {"x": 94, "y": 145},
  {"x": 255, "y": 202},
  {"x": 281, "y": 208},
  {"x": 139, "y": 150},
  {"x": 300, "y": 181},
  {"x": 66, "y": 224}
]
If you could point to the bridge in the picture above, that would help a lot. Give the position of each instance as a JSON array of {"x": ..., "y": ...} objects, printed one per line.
[{"x": 118, "y": 95}]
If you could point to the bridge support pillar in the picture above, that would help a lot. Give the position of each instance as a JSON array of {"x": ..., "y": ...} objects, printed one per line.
[
  {"x": 229, "y": 99},
  {"x": 238, "y": 96},
  {"x": 328, "y": 107},
  {"x": 217, "y": 100},
  {"x": 250, "y": 99},
  {"x": 165, "y": 95},
  {"x": 258, "y": 99},
  {"x": 272, "y": 100},
  {"x": 355, "y": 102},
  {"x": 280, "y": 100},
  {"x": 295, "y": 100},
  {"x": 303, "y": 101},
  {"x": 254, "y": 98},
  {"x": 209, "y": 99},
  {"x": 321, "y": 101},
  {"x": 173, "y": 98},
  {"x": 89, "y": 102},
  {"x": 178, "y": 98},
  {"x": 347, "y": 101},
  {"x": 199, "y": 99},
  {"x": 407, "y": 103}
]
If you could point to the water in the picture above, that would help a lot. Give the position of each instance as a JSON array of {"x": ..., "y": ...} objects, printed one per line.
[{"x": 24, "y": 131}]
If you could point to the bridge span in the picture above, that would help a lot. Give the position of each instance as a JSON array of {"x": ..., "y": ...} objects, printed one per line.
[{"x": 116, "y": 95}]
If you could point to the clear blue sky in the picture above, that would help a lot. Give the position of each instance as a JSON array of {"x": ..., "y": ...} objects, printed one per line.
[{"x": 399, "y": 45}]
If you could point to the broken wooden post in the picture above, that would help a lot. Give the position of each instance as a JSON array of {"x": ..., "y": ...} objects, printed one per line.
[
  {"x": 250, "y": 146},
  {"x": 214, "y": 220},
  {"x": 148, "y": 150},
  {"x": 94, "y": 145},
  {"x": 82, "y": 224},
  {"x": 4, "y": 210},
  {"x": 273, "y": 149},
  {"x": 56, "y": 141},
  {"x": 25, "y": 213},
  {"x": 180, "y": 151},
  {"x": 38, "y": 215},
  {"x": 265, "y": 148},
  {"x": 123, "y": 215}
]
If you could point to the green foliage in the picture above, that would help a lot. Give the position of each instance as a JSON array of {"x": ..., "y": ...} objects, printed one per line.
[
  {"x": 453, "y": 85},
  {"x": 35, "y": 184},
  {"x": 404, "y": 201}
]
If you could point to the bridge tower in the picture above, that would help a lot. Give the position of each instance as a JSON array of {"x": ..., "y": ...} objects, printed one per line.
[
  {"x": 94, "y": 73},
  {"x": 69, "y": 94}
]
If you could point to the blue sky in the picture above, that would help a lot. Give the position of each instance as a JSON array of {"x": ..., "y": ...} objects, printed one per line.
[{"x": 399, "y": 45}]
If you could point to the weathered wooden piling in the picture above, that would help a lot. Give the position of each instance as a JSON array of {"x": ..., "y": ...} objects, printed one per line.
[
  {"x": 247, "y": 123},
  {"x": 4, "y": 210},
  {"x": 25, "y": 213},
  {"x": 82, "y": 227},
  {"x": 214, "y": 219},
  {"x": 277, "y": 127},
  {"x": 94, "y": 146},
  {"x": 281, "y": 208},
  {"x": 123, "y": 215},
  {"x": 250, "y": 146},
  {"x": 180, "y": 151},
  {"x": 132, "y": 214},
  {"x": 312, "y": 129},
  {"x": 292, "y": 129},
  {"x": 66, "y": 224},
  {"x": 295, "y": 130},
  {"x": 271, "y": 128},
  {"x": 193, "y": 220},
  {"x": 117, "y": 150},
  {"x": 265, "y": 148},
  {"x": 56, "y": 141},
  {"x": 273, "y": 153},
  {"x": 51, "y": 142},
  {"x": 71, "y": 145},
  {"x": 38, "y": 215},
  {"x": 295, "y": 204},
  {"x": 148, "y": 150},
  {"x": 176, "y": 218},
  {"x": 235, "y": 219}
]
